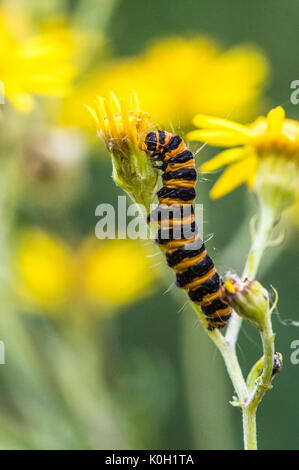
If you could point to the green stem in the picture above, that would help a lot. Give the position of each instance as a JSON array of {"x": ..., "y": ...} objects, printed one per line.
[
  {"x": 259, "y": 243},
  {"x": 249, "y": 429},
  {"x": 232, "y": 365},
  {"x": 229, "y": 356},
  {"x": 262, "y": 386},
  {"x": 267, "y": 336},
  {"x": 260, "y": 239}
]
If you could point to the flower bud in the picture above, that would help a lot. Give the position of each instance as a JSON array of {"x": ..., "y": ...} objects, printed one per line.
[
  {"x": 249, "y": 299},
  {"x": 123, "y": 129}
]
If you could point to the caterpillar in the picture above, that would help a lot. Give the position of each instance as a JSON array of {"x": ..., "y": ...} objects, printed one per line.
[{"x": 185, "y": 251}]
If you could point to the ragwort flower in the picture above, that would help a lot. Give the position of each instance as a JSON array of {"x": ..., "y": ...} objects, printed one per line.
[
  {"x": 44, "y": 270},
  {"x": 177, "y": 76},
  {"x": 103, "y": 265},
  {"x": 123, "y": 129},
  {"x": 263, "y": 154},
  {"x": 33, "y": 63},
  {"x": 51, "y": 277}
]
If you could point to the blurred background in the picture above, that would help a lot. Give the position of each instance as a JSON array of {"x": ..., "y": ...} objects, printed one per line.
[{"x": 100, "y": 353}]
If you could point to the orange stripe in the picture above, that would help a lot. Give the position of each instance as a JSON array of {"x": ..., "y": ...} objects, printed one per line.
[
  {"x": 178, "y": 243},
  {"x": 170, "y": 202},
  {"x": 157, "y": 138},
  {"x": 186, "y": 263},
  {"x": 176, "y": 151},
  {"x": 200, "y": 280},
  {"x": 167, "y": 138},
  {"x": 220, "y": 313},
  {"x": 179, "y": 184},
  {"x": 217, "y": 324},
  {"x": 175, "y": 223},
  {"x": 178, "y": 166},
  {"x": 207, "y": 299}
]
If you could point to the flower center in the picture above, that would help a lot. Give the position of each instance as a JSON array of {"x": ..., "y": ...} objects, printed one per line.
[{"x": 281, "y": 145}]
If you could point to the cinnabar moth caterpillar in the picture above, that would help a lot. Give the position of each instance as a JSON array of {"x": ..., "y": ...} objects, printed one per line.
[{"x": 195, "y": 270}]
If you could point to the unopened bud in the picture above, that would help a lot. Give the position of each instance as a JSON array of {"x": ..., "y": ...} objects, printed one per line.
[{"x": 249, "y": 299}]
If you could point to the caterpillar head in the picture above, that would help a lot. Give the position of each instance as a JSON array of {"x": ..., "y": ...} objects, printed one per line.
[{"x": 150, "y": 142}]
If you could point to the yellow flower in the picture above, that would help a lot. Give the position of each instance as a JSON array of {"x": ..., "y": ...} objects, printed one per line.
[
  {"x": 263, "y": 154},
  {"x": 102, "y": 276},
  {"x": 175, "y": 77},
  {"x": 123, "y": 128},
  {"x": 44, "y": 269},
  {"x": 114, "y": 273},
  {"x": 33, "y": 64}
]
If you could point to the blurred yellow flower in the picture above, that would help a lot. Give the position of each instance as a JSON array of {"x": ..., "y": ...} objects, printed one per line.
[
  {"x": 176, "y": 77},
  {"x": 44, "y": 269},
  {"x": 264, "y": 154},
  {"x": 33, "y": 63},
  {"x": 100, "y": 275},
  {"x": 115, "y": 272}
]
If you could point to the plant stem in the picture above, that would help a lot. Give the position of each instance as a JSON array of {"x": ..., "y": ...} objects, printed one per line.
[
  {"x": 259, "y": 243},
  {"x": 262, "y": 386},
  {"x": 249, "y": 428},
  {"x": 232, "y": 365},
  {"x": 229, "y": 355}
]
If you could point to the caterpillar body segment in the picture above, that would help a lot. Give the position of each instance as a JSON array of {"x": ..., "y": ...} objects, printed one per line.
[{"x": 178, "y": 232}]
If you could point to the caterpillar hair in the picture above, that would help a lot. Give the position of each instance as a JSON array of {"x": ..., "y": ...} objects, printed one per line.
[{"x": 178, "y": 232}]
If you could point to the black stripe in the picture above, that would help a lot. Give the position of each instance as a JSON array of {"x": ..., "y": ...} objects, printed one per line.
[
  {"x": 175, "y": 257},
  {"x": 212, "y": 327},
  {"x": 173, "y": 212},
  {"x": 197, "y": 271},
  {"x": 162, "y": 135},
  {"x": 180, "y": 232},
  {"x": 182, "y": 194},
  {"x": 182, "y": 157},
  {"x": 220, "y": 318},
  {"x": 217, "y": 304},
  {"x": 188, "y": 174},
  {"x": 172, "y": 144},
  {"x": 210, "y": 286},
  {"x": 151, "y": 141}
]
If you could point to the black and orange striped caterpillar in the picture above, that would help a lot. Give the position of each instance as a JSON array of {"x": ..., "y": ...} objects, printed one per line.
[{"x": 185, "y": 252}]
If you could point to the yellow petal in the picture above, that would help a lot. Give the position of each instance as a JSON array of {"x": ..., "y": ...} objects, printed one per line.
[
  {"x": 100, "y": 106},
  {"x": 233, "y": 176},
  {"x": 111, "y": 119},
  {"x": 225, "y": 158},
  {"x": 217, "y": 137},
  {"x": 115, "y": 106},
  {"x": 211, "y": 122},
  {"x": 100, "y": 112},
  {"x": 134, "y": 102},
  {"x": 275, "y": 119},
  {"x": 129, "y": 129},
  {"x": 93, "y": 113}
]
